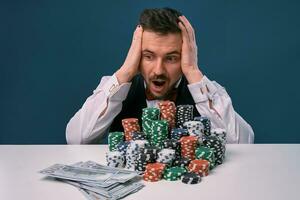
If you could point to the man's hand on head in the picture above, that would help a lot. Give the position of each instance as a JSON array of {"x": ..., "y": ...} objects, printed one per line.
[
  {"x": 131, "y": 64},
  {"x": 189, "y": 60}
]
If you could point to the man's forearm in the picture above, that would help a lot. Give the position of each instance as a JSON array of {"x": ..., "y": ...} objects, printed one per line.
[
  {"x": 124, "y": 75},
  {"x": 96, "y": 114},
  {"x": 212, "y": 101},
  {"x": 194, "y": 75}
]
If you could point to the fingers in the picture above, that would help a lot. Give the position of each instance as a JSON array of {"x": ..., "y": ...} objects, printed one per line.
[
  {"x": 184, "y": 33},
  {"x": 136, "y": 43},
  {"x": 135, "y": 50},
  {"x": 137, "y": 35},
  {"x": 188, "y": 28},
  {"x": 130, "y": 66}
]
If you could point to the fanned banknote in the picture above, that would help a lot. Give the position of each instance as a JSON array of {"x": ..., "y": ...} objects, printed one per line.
[{"x": 96, "y": 181}]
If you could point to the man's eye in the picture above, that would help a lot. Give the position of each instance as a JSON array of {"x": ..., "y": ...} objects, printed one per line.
[
  {"x": 148, "y": 57},
  {"x": 171, "y": 58}
]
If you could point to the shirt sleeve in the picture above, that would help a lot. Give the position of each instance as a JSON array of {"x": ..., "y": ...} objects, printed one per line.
[
  {"x": 97, "y": 113},
  {"x": 221, "y": 111}
]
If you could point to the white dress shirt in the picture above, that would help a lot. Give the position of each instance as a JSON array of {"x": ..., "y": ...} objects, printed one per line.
[{"x": 94, "y": 118}]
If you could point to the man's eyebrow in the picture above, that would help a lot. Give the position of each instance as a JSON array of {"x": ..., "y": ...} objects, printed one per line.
[
  {"x": 172, "y": 52},
  {"x": 147, "y": 51}
]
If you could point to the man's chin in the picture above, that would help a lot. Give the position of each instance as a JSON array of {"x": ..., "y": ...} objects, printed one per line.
[
  {"x": 158, "y": 96},
  {"x": 162, "y": 97}
]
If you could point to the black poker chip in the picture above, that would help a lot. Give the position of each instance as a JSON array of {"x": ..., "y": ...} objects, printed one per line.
[
  {"x": 184, "y": 113},
  {"x": 182, "y": 162},
  {"x": 191, "y": 178},
  {"x": 147, "y": 157},
  {"x": 150, "y": 149},
  {"x": 218, "y": 146},
  {"x": 171, "y": 144},
  {"x": 139, "y": 136}
]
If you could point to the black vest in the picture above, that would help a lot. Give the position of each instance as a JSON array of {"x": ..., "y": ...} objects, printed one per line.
[{"x": 136, "y": 100}]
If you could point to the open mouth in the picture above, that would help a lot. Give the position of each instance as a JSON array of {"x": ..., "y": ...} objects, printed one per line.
[
  {"x": 159, "y": 83},
  {"x": 158, "y": 86}
]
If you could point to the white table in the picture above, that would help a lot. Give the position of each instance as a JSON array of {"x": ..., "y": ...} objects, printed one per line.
[{"x": 249, "y": 172}]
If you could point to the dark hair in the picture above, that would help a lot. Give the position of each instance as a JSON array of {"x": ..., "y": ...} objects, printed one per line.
[{"x": 160, "y": 20}]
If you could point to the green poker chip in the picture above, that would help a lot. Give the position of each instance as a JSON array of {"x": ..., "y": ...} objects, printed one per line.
[
  {"x": 159, "y": 133},
  {"x": 114, "y": 138},
  {"x": 174, "y": 173},
  {"x": 206, "y": 153}
]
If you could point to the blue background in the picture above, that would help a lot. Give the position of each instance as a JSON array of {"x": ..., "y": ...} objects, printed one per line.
[{"x": 53, "y": 54}]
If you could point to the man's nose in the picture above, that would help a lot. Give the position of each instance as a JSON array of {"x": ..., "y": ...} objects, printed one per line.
[{"x": 159, "y": 67}]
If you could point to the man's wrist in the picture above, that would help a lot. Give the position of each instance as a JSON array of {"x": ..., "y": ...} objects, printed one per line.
[
  {"x": 193, "y": 75},
  {"x": 124, "y": 76}
]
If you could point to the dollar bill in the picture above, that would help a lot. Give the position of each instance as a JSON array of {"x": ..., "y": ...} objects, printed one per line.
[{"x": 96, "y": 181}]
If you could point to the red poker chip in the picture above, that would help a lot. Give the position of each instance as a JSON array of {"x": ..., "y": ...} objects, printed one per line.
[
  {"x": 154, "y": 171},
  {"x": 130, "y": 125},
  {"x": 199, "y": 166},
  {"x": 168, "y": 112}
]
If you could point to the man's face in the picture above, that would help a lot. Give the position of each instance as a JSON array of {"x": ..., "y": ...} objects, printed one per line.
[{"x": 161, "y": 61}]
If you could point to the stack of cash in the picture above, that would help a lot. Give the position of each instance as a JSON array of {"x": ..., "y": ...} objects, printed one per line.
[{"x": 96, "y": 181}]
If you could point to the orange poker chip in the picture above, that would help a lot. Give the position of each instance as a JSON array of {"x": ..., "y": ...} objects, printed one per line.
[
  {"x": 155, "y": 166},
  {"x": 188, "y": 146},
  {"x": 168, "y": 113},
  {"x": 154, "y": 172},
  {"x": 130, "y": 125},
  {"x": 200, "y": 167},
  {"x": 128, "y": 120}
]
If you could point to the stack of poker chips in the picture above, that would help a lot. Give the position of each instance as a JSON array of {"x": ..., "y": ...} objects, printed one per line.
[
  {"x": 154, "y": 172},
  {"x": 217, "y": 145},
  {"x": 195, "y": 128},
  {"x": 173, "y": 144},
  {"x": 188, "y": 146},
  {"x": 130, "y": 125},
  {"x": 174, "y": 173},
  {"x": 122, "y": 147},
  {"x": 221, "y": 133},
  {"x": 184, "y": 113},
  {"x": 115, "y": 159},
  {"x": 159, "y": 132},
  {"x": 161, "y": 153},
  {"x": 141, "y": 162},
  {"x": 166, "y": 156},
  {"x": 114, "y": 138},
  {"x": 148, "y": 115},
  {"x": 131, "y": 155},
  {"x": 191, "y": 178},
  {"x": 141, "y": 159},
  {"x": 206, "y": 124},
  {"x": 168, "y": 112},
  {"x": 147, "y": 154},
  {"x": 205, "y": 153},
  {"x": 200, "y": 167}
]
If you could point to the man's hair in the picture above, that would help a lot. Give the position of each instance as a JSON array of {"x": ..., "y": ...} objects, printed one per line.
[{"x": 160, "y": 20}]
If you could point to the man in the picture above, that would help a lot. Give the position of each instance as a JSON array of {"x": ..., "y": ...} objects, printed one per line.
[{"x": 161, "y": 64}]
